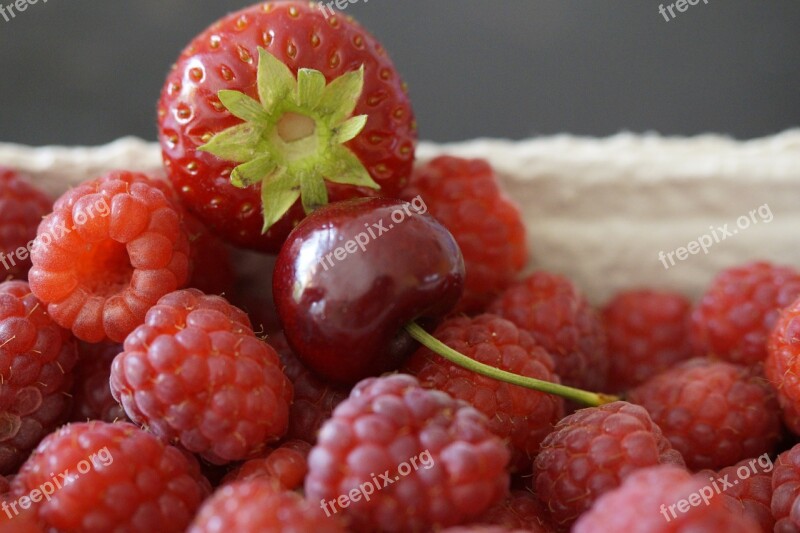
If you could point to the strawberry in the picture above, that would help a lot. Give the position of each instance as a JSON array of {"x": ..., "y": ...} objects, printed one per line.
[{"x": 275, "y": 109}]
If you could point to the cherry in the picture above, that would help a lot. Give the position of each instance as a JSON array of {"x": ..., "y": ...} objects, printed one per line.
[
  {"x": 356, "y": 282},
  {"x": 352, "y": 274}
]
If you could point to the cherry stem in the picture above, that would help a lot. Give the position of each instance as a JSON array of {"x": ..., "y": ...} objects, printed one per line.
[{"x": 435, "y": 345}]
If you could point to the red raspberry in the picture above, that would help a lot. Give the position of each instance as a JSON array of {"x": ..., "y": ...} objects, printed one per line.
[
  {"x": 111, "y": 248},
  {"x": 522, "y": 416},
  {"x": 782, "y": 367},
  {"x": 591, "y": 451},
  {"x": 736, "y": 314},
  {"x": 195, "y": 372},
  {"x": 653, "y": 500},
  {"x": 91, "y": 394},
  {"x": 714, "y": 412},
  {"x": 260, "y": 505},
  {"x": 647, "y": 331},
  {"x": 22, "y": 207},
  {"x": 112, "y": 477},
  {"x": 287, "y": 464},
  {"x": 521, "y": 510},
  {"x": 786, "y": 491},
  {"x": 466, "y": 196},
  {"x": 393, "y": 447},
  {"x": 746, "y": 489},
  {"x": 553, "y": 310},
  {"x": 37, "y": 358},
  {"x": 314, "y": 400}
]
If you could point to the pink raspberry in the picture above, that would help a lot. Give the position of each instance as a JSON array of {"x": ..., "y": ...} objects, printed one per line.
[
  {"x": 745, "y": 488},
  {"x": 287, "y": 464},
  {"x": 91, "y": 394},
  {"x": 786, "y": 491},
  {"x": 410, "y": 448}
]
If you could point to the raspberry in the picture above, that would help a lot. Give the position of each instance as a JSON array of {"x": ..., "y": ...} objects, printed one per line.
[
  {"x": 112, "y": 477},
  {"x": 428, "y": 460},
  {"x": 466, "y": 196},
  {"x": 740, "y": 308},
  {"x": 782, "y": 367},
  {"x": 486, "y": 529},
  {"x": 91, "y": 394},
  {"x": 653, "y": 500},
  {"x": 551, "y": 308},
  {"x": 714, "y": 412},
  {"x": 259, "y": 505},
  {"x": 522, "y": 416},
  {"x": 647, "y": 331},
  {"x": 746, "y": 489},
  {"x": 591, "y": 451},
  {"x": 786, "y": 491},
  {"x": 314, "y": 400},
  {"x": 287, "y": 464},
  {"x": 37, "y": 358},
  {"x": 521, "y": 510},
  {"x": 111, "y": 248},
  {"x": 195, "y": 372},
  {"x": 22, "y": 207}
]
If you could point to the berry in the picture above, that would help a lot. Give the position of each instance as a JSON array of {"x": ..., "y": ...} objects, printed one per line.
[
  {"x": 785, "y": 503},
  {"x": 714, "y": 412},
  {"x": 521, "y": 510},
  {"x": 22, "y": 207},
  {"x": 358, "y": 131},
  {"x": 648, "y": 332},
  {"x": 782, "y": 367},
  {"x": 343, "y": 305},
  {"x": 746, "y": 489},
  {"x": 111, "y": 248},
  {"x": 195, "y": 372},
  {"x": 736, "y": 314},
  {"x": 37, "y": 358},
  {"x": 287, "y": 464},
  {"x": 522, "y": 416},
  {"x": 91, "y": 394},
  {"x": 558, "y": 316},
  {"x": 314, "y": 400},
  {"x": 465, "y": 195},
  {"x": 260, "y": 506},
  {"x": 413, "y": 449},
  {"x": 591, "y": 451},
  {"x": 486, "y": 529},
  {"x": 651, "y": 501},
  {"x": 112, "y": 477}
]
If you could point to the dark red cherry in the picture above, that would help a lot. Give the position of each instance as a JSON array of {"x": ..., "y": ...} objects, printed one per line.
[{"x": 353, "y": 274}]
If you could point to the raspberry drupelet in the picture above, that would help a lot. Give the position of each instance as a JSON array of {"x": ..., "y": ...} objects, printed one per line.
[
  {"x": 112, "y": 477},
  {"x": 591, "y": 451},
  {"x": 91, "y": 394},
  {"x": 522, "y": 416},
  {"x": 22, "y": 207},
  {"x": 733, "y": 319},
  {"x": 466, "y": 196},
  {"x": 37, "y": 358},
  {"x": 288, "y": 464},
  {"x": 111, "y": 248},
  {"x": 195, "y": 373},
  {"x": 662, "y": 499},
  {"x": 558, "y": 316},
  {"x": 426, "y": 459},
  {"x": 782, "y": 367},
  {"x": 647, "y": 332},
  {"x": 714, "y": 412}
]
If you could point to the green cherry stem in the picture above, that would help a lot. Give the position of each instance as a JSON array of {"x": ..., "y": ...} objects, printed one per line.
[{"x": 435, "y": 345}]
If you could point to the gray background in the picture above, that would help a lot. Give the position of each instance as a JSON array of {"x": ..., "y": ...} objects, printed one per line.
[{"x": 89, "y": 71}]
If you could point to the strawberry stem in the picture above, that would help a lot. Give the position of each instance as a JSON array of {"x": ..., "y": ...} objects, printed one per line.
[{"x": 592, "y": 399}]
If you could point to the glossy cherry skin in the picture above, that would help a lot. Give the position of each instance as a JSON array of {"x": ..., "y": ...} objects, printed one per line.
[{"x": 352, "y": 274}]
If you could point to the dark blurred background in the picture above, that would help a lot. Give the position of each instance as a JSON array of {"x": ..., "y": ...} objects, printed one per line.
[{"x": 89, "y": 71}]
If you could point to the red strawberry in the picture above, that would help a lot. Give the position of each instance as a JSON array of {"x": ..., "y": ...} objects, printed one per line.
[{"x": 320, "y": 100}]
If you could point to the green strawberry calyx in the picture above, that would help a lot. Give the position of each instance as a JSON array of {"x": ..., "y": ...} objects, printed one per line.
[{"x": 292, "y": 140}]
